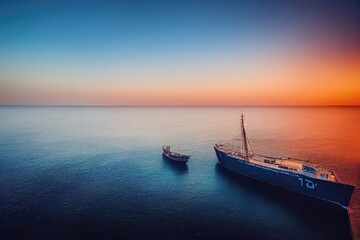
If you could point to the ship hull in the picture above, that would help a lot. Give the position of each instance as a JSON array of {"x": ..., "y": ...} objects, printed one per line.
[{"x": 336, "y": 193}]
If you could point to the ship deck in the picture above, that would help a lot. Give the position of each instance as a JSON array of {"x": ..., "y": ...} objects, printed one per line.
[{"x": 294, "y": 166}]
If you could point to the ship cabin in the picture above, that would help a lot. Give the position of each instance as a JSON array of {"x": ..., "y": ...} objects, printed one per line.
[{"x": 296, "y": 166}]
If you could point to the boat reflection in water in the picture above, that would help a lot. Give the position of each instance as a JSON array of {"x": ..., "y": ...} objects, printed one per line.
[
  {"x": 174, "y": 166},
  {"x": 329, "y": 220}
]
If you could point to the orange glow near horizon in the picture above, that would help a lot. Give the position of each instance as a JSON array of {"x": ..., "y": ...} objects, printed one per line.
[{"x": 304, "y": 80}]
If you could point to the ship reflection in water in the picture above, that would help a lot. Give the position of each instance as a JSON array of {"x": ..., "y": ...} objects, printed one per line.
[{"x": 321, "y": 217}]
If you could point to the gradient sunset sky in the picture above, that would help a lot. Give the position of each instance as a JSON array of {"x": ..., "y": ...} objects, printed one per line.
[{"x": 210, "y": 53}]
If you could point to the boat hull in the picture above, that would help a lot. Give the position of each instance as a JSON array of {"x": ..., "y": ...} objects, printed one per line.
[
  {"x": 178, "y": 160},
  {"x": 337, "y": 193}
]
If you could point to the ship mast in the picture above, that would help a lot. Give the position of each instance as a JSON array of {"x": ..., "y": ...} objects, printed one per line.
[{"x": 244, "y": 138}]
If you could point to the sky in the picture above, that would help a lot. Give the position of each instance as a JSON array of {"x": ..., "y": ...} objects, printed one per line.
[{"x": 180, "y": 53}]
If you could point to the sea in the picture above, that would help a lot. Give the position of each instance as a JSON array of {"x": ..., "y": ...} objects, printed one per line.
[{"x": 99, "y": 173}]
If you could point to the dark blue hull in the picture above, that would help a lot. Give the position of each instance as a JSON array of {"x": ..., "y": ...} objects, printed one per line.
[{"x": 337, "y": 193}]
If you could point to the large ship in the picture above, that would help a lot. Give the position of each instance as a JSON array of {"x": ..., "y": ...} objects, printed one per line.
[{"x": 292, "y": 174}]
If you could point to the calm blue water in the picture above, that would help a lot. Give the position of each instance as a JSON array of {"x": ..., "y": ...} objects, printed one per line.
[{"x": 98, "y": 173}]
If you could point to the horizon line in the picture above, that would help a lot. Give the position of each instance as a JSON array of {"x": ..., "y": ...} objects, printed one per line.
[{"x": 149, "y": 106}]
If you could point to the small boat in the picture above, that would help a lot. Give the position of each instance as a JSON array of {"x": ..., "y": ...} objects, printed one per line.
[
  {"x": 291, "y": 174},
  {"x": 177, "y": 157}
]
